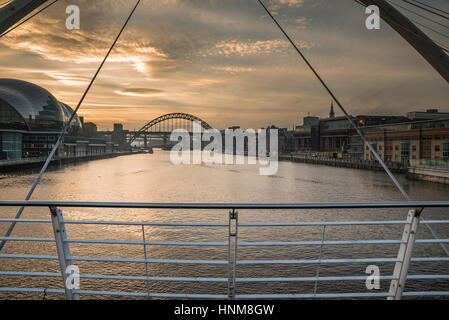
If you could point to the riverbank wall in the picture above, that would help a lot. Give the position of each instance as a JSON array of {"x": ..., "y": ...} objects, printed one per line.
[
  {"x": 428, "y": 174},
  {"x": 345, "y": 163}
]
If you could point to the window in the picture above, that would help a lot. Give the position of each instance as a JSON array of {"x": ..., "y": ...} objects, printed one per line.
[
  {"x": 414, "y": 147},
  {"x": 437, "y": 147},
  {"x": 437, "y": 137},
  {"x": 446, "y": 150},
  {"x": 396, "y": 148},
  {"x": 405, "y": 151}
]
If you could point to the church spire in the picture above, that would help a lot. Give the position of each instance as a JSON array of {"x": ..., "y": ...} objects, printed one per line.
[{"x": 332, "y": 113}]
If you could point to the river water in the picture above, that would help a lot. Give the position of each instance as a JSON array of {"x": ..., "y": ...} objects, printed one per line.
[{"x": 153, "y": 178}]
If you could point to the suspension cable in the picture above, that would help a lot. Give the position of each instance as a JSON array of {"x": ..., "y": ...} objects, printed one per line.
[
  {"x": 426, "y": 9},
  {"x": 429, "y": 6},
  {"x": 27, "y": 19},
  {"x": 348, "y": 117},
  {"x": 66, "y": 126},
  {"x": 419, "y": 15}
]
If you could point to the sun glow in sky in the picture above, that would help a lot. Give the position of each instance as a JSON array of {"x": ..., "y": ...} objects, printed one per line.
[{"x": 221, "y": 60}]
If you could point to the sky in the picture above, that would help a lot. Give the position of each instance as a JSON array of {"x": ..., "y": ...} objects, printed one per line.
[{"x": 224, "y": 61}]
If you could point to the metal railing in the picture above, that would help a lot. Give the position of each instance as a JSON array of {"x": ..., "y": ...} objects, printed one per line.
[{"x": 234, "y": 230}]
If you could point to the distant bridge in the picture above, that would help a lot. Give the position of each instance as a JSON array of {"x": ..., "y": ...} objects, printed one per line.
[{"x": 165, "y": 124}]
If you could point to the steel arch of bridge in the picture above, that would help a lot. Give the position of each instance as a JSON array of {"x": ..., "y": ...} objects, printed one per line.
[{"x": 169, "y": 116}]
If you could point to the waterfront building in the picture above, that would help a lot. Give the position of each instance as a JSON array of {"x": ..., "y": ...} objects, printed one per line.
[
  {"x": 414, "y": 140},
  {"x": 31, "y": 119},
  {"x": 335, "y": 135}
]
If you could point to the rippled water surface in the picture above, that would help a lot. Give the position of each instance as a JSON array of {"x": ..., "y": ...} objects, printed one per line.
[{"x": 152, "y": 178}]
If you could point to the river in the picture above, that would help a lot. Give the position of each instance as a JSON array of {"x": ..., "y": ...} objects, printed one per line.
[{"x": 153, "y": 178}]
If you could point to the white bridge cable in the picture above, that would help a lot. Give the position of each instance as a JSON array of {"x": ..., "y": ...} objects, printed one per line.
[
  {"x": 351, "y": 121},
  {"x": 27, "y": 19},
  {"x": 66, "y": 126}
]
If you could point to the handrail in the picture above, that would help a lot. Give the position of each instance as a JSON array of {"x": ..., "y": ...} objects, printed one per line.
[
  {"x": 237, "y": 240},
  {"x": 150, "y": 205}
]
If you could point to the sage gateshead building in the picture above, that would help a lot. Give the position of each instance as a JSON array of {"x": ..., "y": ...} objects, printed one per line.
[{"x": 31, "y": 119}]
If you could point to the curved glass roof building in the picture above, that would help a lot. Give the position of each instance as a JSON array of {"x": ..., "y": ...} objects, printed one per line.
[{"x": 26, "y": 106}]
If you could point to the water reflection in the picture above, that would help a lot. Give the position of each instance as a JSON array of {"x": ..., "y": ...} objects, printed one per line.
[{"x": 152, "y": 178}]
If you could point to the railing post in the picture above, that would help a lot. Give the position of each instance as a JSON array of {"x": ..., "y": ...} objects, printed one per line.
[
  {"x": 63, "y": 250},
  {"x": 404, "y": 255},
  {"x": 232, "y": 252},
  {"x": 146, "y": 258}
]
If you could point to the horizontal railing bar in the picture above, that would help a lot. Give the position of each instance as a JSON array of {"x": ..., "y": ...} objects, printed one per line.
[
  {"x": 242, "y": 224},
  {"x": 29, "y": 274},
  {"x": 27, "y": 239},
  {"x": 425, "y": 293},
  {"x": 161, "y": 261},
  {"x": 32, "y": 290},
  {"x": 205, "y": 279},
  {"x": 125, "y": 260},
  {"x": 27, "y": 256},
  {"x": 222, "y": 244},
  {"x": 128, "y": 242},
  {"x": 156, "y": 224},
  {"x": 149, "y": 205},
  {"x": 124, "y": 223},
  {"x": 317, "y": 243},
  {"x": 25, "y": 220},
  {"x": 168, "y": 261},
  {"x": 323, "y": 261},
  {"x": 111, "y": 277},
  {"x": 239, "y": 296},
  {"x": 113, "y": 293},
  {"x": 428, "y": 276},
  {"x": 431, "y": 240},
  {"x": 311, "y": 279},
  {"x": 437, "y": 221},
  {"x": 311, "y": 296},
  {"x": 151, "y": 294},
  {"x": 429, "y": 259},
  {"x": 311, "y": 224},
  {"x": 154, "y": 243}
]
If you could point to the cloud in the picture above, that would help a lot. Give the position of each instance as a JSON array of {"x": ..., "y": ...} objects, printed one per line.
[
  {"x": 253, "y": 47},
  {"x": 290, "y": 3},
  {"x": 139, "y": 92}
]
